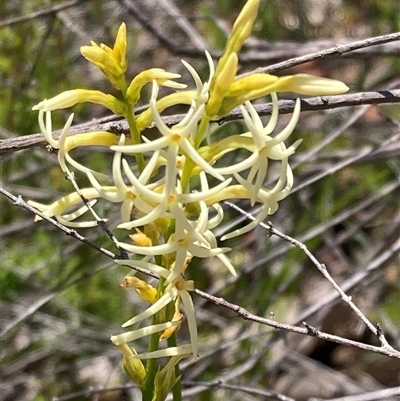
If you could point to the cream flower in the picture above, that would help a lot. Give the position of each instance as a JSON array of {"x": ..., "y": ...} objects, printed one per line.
[
  {"x": 175, "y": 138},
  {"x": 179, "y": 288},
  {"x": 59, "y": 208}
]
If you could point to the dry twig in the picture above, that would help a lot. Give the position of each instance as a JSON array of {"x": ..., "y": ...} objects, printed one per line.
[{"x": 114, "y": 124}]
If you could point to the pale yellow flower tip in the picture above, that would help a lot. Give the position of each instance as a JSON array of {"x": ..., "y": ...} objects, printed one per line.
[
  {"x": 133, "y": 367},
  {"x": 244, "y": 23},
  {"x": 101, "y": 58},
  {"x": 72, "y": 97},
  {"x": 146, "y": 291},
  {"x": 221, "y": 84},
  {"x": 165, "y": 379},
  {"x": 140, "y": 239},
  {"x": 306, "y": 84},
  {"x": 119, "y": 49},
  {"x": 161, "y": 76},
  {"x": 112, "y": 62}
]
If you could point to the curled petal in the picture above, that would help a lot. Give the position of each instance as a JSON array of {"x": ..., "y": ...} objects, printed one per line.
[
  {"x": 167, "y": 352},
  {"x": 143, "y": 332},
  {"x": 191, "y": 318},
  {"x": 153, "y": 309},
  {"x": 161, "y": 271},
  {"x": 149, "y": 250}
]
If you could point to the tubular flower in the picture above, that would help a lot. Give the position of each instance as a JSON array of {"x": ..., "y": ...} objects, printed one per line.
[
  {"x": 169, "y": 190},
  {"x": 176, "y": 291},
  {"x": 112, "y": 62},
  {"x": 72, "y": 97}
]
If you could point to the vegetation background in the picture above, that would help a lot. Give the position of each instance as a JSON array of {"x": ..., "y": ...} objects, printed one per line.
[{"x": 61, "y": 300}]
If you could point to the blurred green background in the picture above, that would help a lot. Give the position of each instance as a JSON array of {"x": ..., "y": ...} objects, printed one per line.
[{"x": 61, "y": 300}]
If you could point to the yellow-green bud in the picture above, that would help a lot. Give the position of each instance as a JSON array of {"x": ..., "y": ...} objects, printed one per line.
[
  {"x": 72, "y": 97},
  {"x": 133, "y": 367},
  {"x": 145, "y": 290}
]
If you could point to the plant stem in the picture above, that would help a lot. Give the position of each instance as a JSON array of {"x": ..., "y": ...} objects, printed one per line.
[
  {"x": 177, "y": 389},
  {"x": 151, "y": 366},
  {"x": 135, "y": 134},
  {"x": 189, "y": 164}
]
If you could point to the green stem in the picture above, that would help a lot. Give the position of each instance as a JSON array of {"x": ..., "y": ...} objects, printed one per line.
[
  {"x": 177, "y": 389},
  {"x": 189, "y": 164},
  {"x": 151, "y": 366},
  {"x": 135, "y": 134}
]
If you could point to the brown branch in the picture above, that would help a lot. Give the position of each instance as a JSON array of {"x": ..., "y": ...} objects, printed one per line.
[
  {"x": 308, "y": 330},
  {"x": 338, "y": 50},
  {"x": 117, "y": 125},
  {"x": 383, "y": 394},
  {"x": 18, "y": 201},
  {"x": 384, "y": 349},
  {"x": 42, "y": 13},
  {"x": 277, "y": 51},
  {"x": 133, "y": 8},
  {"x": 264, "y": 55}
]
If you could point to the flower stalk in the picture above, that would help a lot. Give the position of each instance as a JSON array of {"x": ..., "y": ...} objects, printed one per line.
[{"x": 170, "y": 189}]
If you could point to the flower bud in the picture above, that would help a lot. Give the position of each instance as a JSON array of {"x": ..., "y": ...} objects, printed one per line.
[
  {"x": 165, "y": 379},
  {"x": 140, "y": 239},
  {"x": 221, "y": 84},
  {"x": 146, "y": 291},
  {"x": 133, "y": 367},
  {"x": 120, "y": 47},
  {"x": 72, "y": 97},
  {"x": 161, "y": 76}
]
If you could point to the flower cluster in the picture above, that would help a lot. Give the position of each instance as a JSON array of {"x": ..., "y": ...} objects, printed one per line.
[{"x": 170, "y": 189}]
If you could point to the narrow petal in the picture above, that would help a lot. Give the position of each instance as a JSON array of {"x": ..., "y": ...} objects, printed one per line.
[
  {"x": 241, "y": 166},
  {"x": 274, "y": 116},
  {"x": 80, "y": 212},
  {"x": 161, "y": 271},
  {"x": 198, "y": 196},
  {"x": 139, "y": 187},
  {"x": 201, "y": 252},
  {"x": 143, "y": 332},
  {"x": 191, "y": 152},
  {"x": 156, "y": 213},
  {"x": 158, "y": 143},
  {"x": 284, "y": 134},
  {"x": 112, "y": 196},
  {"x": 149, "y": 250},
  {"x": 261, "y": 216},
  {"x": 167, "y": 352},
  {"x": 191, "y": 319},
  {"x": 153, "y": 309}
]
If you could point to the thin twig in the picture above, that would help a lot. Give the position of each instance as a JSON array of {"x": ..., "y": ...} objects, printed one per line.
[
  {"x": 275, "y": 52},
  {"x": 376, "y": 330},
  {"x": 272, "y": 396},
  {"x": 18, "y": 201},
  {"x": 385, "y": 349},
  {"x": 371, "y": 396},
  {"x": 42, "y": 13},
  {"x": 335, "y": 51},
  {"x": 308, "y": 331},
  {"x": 338, "y": 50},
  {"x": 115, "y": 125},
  {"x": 100, "y": 222}
]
